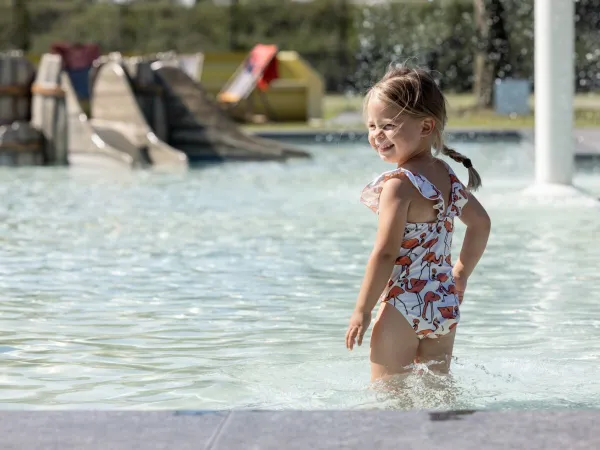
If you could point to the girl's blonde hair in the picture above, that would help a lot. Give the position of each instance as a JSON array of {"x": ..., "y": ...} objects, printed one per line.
[{"x": 415, "y": 92}]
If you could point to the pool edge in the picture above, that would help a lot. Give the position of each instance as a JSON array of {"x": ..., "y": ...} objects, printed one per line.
[
  {"x": 586, "y": 147},
  {"x": 454, "y": 134},
  {"x": 266, "y": 429}
]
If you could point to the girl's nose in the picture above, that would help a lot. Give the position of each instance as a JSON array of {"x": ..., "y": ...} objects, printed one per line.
[{"x": 378, "y": 132}]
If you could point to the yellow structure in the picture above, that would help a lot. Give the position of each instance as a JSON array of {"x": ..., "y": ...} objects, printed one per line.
[{"x": 296, "y": 96}]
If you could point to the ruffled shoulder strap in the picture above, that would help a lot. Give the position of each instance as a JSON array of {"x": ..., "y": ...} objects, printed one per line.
[
  {"x": 459, "y": 197},
  {"x": 372, "y": 191}
]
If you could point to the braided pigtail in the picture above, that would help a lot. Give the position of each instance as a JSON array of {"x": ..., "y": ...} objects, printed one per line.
[{"x": 474, "y": 178}]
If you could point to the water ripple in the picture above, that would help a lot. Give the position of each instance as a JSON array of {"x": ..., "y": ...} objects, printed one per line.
[{"x": 231, "y": 286}]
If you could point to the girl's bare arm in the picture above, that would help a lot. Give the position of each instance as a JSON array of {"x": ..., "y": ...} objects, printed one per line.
[
  {"x": 478, "y": 225},
  {"x": 393, "y": 209}
]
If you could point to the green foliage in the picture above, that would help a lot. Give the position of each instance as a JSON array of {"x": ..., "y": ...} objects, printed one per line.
[{"x": 348, "y": 49}]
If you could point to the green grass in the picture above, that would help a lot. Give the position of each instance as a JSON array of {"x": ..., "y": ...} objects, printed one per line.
[
  {"x": 587, "y": 111},
  {"x": 587, "y": 115}
]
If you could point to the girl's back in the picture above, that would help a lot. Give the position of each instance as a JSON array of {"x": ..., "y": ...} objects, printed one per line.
[
  {"x": 421, "y": 284},
  {"x": 436, "y": 172}
]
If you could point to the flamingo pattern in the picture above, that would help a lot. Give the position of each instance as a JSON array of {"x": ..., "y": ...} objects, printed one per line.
[{"x": 421, "y": 286}]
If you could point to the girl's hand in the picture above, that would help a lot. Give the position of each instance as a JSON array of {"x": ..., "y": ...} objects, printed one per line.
[
  {"x": 359, "y": 323},
  {"x": 461, "y": 287}
]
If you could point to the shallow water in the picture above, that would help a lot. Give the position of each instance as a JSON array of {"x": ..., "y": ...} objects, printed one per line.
[{"x": 231, "y": 287}]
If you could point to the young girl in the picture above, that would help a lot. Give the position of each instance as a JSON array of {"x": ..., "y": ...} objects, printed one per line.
[{"x": 410, "y": 268}]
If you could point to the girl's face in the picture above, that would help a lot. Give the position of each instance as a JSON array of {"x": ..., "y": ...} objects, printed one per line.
[{"x": 394, "y": 135}]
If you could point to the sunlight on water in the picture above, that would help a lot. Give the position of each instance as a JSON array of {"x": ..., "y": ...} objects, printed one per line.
[{"x": 231, "y": 287}]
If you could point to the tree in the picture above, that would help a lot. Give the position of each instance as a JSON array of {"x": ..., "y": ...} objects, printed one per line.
[
  {"x": 233, "y": 25},
  {"x": 21, "y": 38},
  {"x": 492, "y": 58},
  {"x": 343, "y": 40}
]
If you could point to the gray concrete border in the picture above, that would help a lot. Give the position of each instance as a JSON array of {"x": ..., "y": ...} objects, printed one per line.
[
  {"x": 356, "y": 135},
  {"x": 587, "y": 141},
  {"x": 266, "y": 430}
]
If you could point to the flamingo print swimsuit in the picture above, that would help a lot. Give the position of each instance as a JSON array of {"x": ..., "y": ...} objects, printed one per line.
[{"x": 421, "y": 286}]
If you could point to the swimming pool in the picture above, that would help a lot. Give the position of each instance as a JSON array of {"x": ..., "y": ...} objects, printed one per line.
[{"x": 231, "y": 287}]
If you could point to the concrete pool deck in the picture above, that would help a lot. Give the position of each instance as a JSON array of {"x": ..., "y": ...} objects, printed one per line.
[
  {"x": 314, "y": 430},
  {"x": 586, "y": 140}
]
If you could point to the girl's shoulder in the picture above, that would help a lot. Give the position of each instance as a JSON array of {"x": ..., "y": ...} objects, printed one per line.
[{"x": 399, "y": 183}]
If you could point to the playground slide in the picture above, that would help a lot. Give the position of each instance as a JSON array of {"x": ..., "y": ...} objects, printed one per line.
[
  {"x": 95, "y": 147},
  {"x": 200, "y": 128},
  {"x": 68, "y": 135},
  {"x": 116, "y": 112}
]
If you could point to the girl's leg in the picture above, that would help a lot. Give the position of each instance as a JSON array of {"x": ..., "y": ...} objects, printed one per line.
[
  {"x": 437, "y": 353},
  {"x": 394, "y": 344}
]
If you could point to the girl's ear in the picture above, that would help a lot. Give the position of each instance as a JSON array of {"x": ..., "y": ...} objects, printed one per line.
[{"x": 427, "y": 127}]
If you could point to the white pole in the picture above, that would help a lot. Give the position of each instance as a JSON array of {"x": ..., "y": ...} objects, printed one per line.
[{"x": 554, "y": 90}]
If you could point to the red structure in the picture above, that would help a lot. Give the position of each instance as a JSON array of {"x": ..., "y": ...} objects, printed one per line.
[
  {"x": 262, "y": 63},
  {"x": 77, "y": 56},
  {"x": 258, "y": 70},
  {"x": 77, "y": 62}
]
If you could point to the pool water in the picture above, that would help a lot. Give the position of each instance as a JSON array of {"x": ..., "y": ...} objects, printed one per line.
[{"x": 231, "y": 286}]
